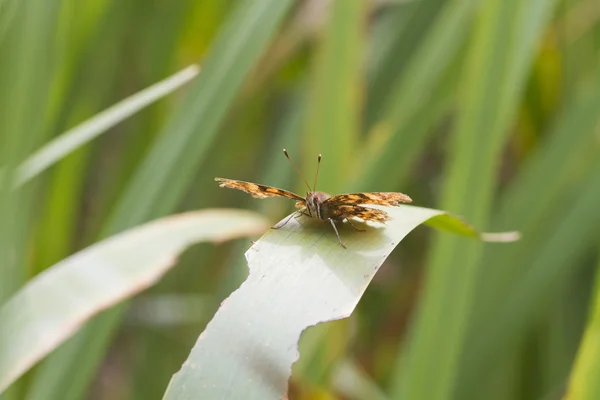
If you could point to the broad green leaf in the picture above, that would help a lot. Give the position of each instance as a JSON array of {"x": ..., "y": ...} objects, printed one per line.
[
  {"x": 584, "y": 383},
  {"x": 299, "y": 276},
  {"x": 56, "y": 303},
  {"x": 76, "y": 137}
]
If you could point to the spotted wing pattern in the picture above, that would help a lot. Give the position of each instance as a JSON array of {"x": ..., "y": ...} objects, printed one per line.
[
  {"x": 380, "y": 198},
  {"x": 256, "y": 190},
  {"x": 364, "y": 213}
]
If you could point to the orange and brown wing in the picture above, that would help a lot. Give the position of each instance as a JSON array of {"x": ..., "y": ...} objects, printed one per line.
[
  {"x": 364, "y": 213},
  {"x": 380, "y": 198},
  {"x": 256, "y": 190}
]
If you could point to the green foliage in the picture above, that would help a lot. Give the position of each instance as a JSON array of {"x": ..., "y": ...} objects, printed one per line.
[
  {"x": 51, "y": 307},
  {"x": 488, "y": 109}
]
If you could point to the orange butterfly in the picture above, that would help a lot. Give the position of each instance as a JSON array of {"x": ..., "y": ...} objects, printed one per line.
[{"x": 323, "y": 206}]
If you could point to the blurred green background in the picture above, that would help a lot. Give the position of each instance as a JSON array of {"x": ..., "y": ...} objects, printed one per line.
[{"x": 488, "y": 109}]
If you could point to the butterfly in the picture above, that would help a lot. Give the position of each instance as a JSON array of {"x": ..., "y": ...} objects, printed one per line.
[{"x": 320, "y": 205}]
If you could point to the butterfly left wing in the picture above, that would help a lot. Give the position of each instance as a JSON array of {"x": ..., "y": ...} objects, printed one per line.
[
  {"x": 380, "y": 198},
  {"x": 256, "y": 190}
]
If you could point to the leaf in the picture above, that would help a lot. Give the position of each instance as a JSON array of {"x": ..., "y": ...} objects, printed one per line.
[
  {"x": 78, "y": 136},
  {"x": 334, "y": 101},
  {"x": 505, "y": 34},
  {"x": 186, "y": 138},
  {"x": 562, "y": 168},
  {"x": 584, "y": 382},
  {"x": 299, "y": 276},
  {"x": 166, "y": 174},
  {"x": 419, "y": 97},
  {"x": 552, "y": 264},
  {"x": 53, "y": 305}
]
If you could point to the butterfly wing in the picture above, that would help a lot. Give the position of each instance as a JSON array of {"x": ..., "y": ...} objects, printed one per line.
[
  {"x": 256, "y": 190},
  {"x": 380, "y": 198},
  {"x": 364, "y": 213}
]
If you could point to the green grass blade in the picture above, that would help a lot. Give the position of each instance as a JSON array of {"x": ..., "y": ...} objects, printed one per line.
[
  {"x": 186, "y": 139},
  {"x": 76, "y": 137},
  {"x": 504, "y": 37},
  {"x": 334, "y": 101},
  {"x": 52, "y": 306},
  {"x": 165, "y": 175},
  {"x": 553, "y": 264},
  {"x": 551, "y": 173},
  {"x": 438, "y": 49},
  {"x": 299, "y": 276},
  {"x": 26, "y": 65},
  {"x": 557, "y": 170},
  {"x": 399, "y": 143},
  {"x": 584, "y": 383},
  {"x": 401, "y": 35},
  {"x": 417, "y": 99}
]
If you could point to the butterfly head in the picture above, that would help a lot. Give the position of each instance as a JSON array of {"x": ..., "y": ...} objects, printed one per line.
[
  {"x": 313, "y": 198},
  {"x": 313, "y": 203}
]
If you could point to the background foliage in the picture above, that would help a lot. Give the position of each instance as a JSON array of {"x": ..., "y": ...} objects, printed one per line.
[{"x": 489, "y": 109}]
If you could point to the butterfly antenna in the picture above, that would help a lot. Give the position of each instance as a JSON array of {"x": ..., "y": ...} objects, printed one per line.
[
  {"x": 296, "y": 168},
  {"x": 317, "y": 174}
]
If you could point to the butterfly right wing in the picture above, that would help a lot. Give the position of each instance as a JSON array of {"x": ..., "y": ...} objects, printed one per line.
[
  {"x": 364, "y": 213},
  {"x": 380, "y": 198},
  {"x": 256, "y": 190}
]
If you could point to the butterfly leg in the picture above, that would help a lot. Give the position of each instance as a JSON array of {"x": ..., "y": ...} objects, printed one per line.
[
  {"x": 337, "y": 234},
  {"x": 355, "y": 228},
  {"x": 301, "y": 213},
  {"x": 295, "y": 214}
]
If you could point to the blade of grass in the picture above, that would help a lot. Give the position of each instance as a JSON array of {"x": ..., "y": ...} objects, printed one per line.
[
  {"x": 416, "y": 97},
  {"x": 584, "y": 383},
  {"x": 554, "y": 172},
  {"x": 299, "y": 276},
  {"x": 53, "y": 305},
  {"x": 334, "y": 101},
  {"x": 407, "y": 138},
  {"x": 179, "y": 150},
  {"x": 576, "y": 232},
  {"x": 165, "y": 175},
  {"x": 25, "y": 75},
  {"x": 551, "y": 173},
  {"x": 7, "y": 12},
  {"x": 403, "y": 32},
  {"x": 505, "y": 35},
  {"x": 76, "y": 137}
]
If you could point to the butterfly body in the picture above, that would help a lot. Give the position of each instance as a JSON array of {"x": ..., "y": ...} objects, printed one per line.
[
  {"x": 320, "y": 205},
  {"x": 314, "y": 204}
]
